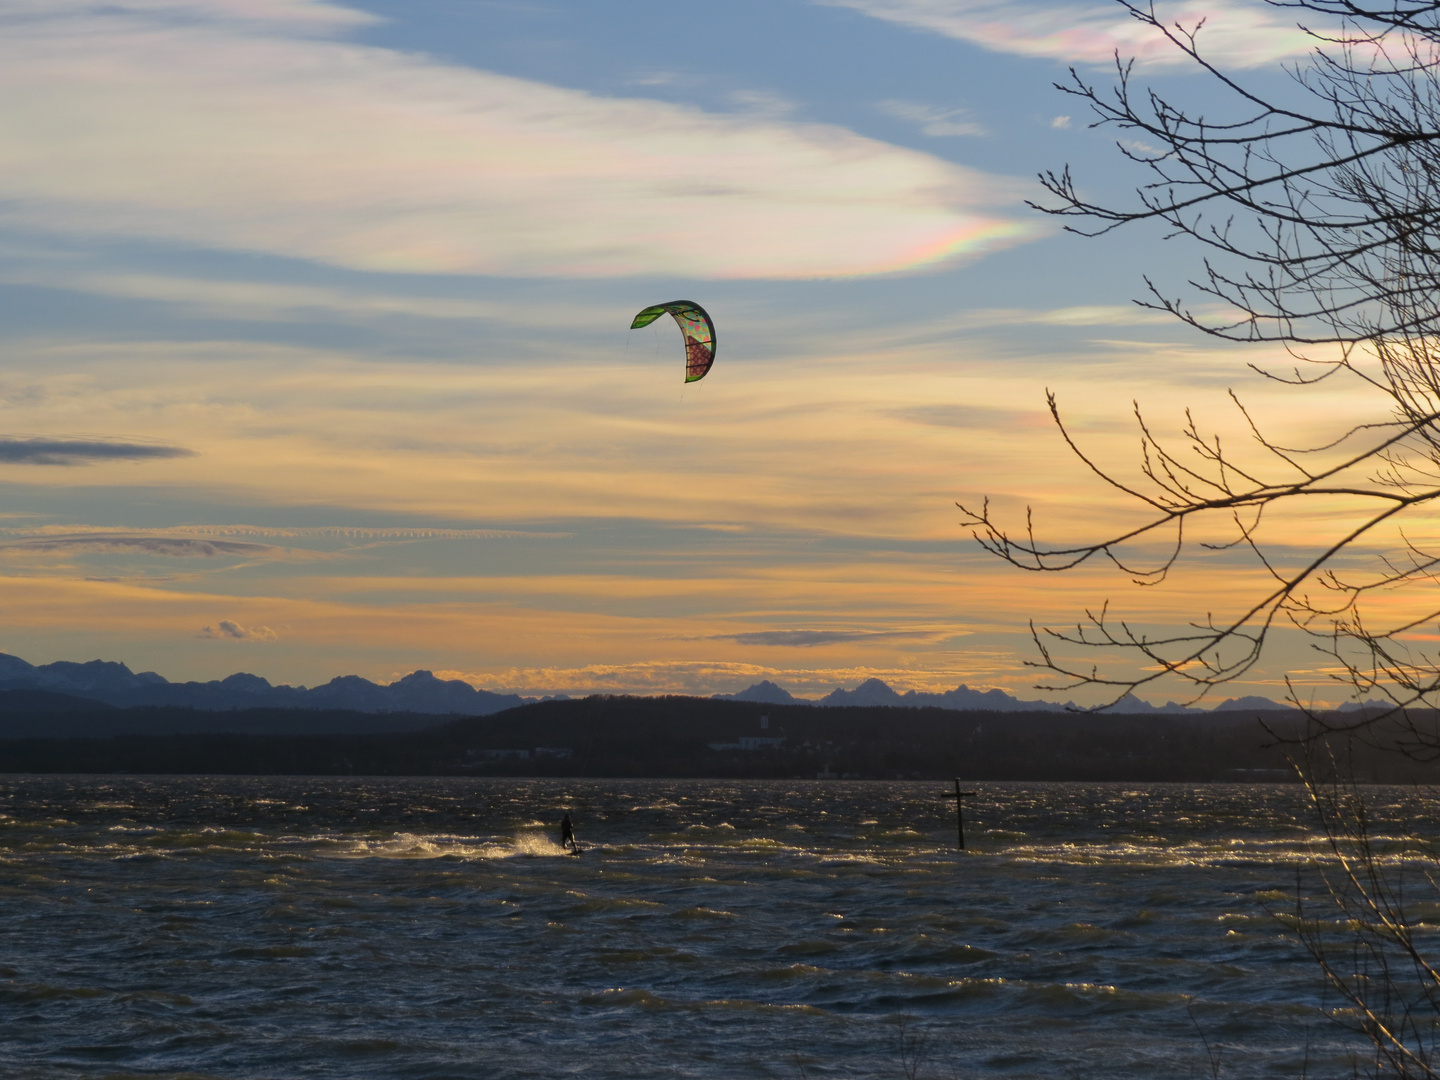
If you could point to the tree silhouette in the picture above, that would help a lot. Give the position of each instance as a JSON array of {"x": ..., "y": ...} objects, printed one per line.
[
  {"x": 1317, "y": 223},
  {"x": 1318, "y": 227}
]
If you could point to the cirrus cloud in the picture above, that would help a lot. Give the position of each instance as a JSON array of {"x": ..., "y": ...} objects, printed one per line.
[
  {"x": 265, "y": 135},
  {"x": 1237, "y": 33}
]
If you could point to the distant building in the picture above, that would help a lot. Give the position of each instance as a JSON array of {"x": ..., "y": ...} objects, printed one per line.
[
  {"x": 750, "y": 742},
  {"x": 760, "y": 742},
  {"x": 753, "y": 742},
  {"x": 497, "y": 755},
  {"x": 554, "y": 752}
]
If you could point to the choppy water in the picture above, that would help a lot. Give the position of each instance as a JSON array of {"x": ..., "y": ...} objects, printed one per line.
[{"x": 356, "y": 928}]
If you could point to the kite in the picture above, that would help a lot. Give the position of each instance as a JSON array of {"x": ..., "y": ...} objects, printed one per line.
[{"x": 699, "y": 334}]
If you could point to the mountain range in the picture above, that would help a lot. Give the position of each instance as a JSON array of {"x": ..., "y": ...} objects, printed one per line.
[
  {"x": 113, "y": 683},
  {"x": 874, "y": 692}
]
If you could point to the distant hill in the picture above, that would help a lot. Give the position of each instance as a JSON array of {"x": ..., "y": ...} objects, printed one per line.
[
  {"x": 875, "y": 692},
  {"x": 37, "y": 714},
  {"x": 46, "y": 703},
  {"x": 115, "y": 684}
]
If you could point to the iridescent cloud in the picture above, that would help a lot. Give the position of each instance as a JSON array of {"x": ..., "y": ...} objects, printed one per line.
[
  {"x": 263, "y": 134},
  {"x": 1238, "y": 34}
]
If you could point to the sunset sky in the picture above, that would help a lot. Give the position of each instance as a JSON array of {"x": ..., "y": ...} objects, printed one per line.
[{"x": 315, "y": 359}]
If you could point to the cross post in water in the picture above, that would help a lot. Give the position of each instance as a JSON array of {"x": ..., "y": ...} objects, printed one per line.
[{"x": 959, "y": 810}]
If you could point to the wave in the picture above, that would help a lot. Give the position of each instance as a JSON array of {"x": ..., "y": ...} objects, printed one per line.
[{"x": 405, "y": 845}]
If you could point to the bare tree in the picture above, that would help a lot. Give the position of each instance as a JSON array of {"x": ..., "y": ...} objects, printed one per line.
[
  {"x": 1317, "y": 221},
  {"x": 1377, "y": 895}
]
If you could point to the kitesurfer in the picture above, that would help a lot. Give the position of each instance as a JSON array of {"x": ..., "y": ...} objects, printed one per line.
[{"x": 567, "y": 833}]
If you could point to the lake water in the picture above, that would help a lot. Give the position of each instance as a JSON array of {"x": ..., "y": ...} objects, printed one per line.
[{"x": 355, "y": 928}]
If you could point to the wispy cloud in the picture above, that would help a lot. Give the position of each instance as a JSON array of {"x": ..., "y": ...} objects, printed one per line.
[
  {"x": 208, "y": 542},
  {"x": 381, "y": 627},
  {"x": 82, "y": 451},
  {"x": 291, "y": 14},
  {"x": 241, "y": 299},
  {"x": 1083, "y": 315},
  {"x": 348, "y": 532},
  {"x": 976, "y": 418},
  {"x": 376, "y": 159},
  {"x": 249, "y": 299},
  {"x": 149, "y": 545},
  {"x": 937, "y": 123},
  {"x": 1236, "y": 32},
  {"x": 315, "y": 532},
  {"x": 227, "y": 630},
  {"x": 602, "y": 436},
  {"x": 808, "y": 638},
  {"x": 764, "y": 104}
]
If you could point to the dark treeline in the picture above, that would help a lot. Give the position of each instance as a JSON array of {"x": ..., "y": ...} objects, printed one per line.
[
  {"x": 671, "y": 737},
  {"x": 45, "y": 713}
]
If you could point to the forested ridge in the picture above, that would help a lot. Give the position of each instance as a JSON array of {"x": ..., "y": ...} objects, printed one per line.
[{"x": 660, "y": 737}]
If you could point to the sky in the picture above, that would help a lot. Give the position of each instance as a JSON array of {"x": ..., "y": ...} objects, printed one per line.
[{"x": 315, "y": 359}]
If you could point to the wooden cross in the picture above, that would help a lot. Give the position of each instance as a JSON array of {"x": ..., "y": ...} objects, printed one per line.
[{"x": 959, "y": 810}]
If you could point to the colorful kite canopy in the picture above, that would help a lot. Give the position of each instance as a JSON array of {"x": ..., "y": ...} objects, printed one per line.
[{"x": 699, "y": 333}]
